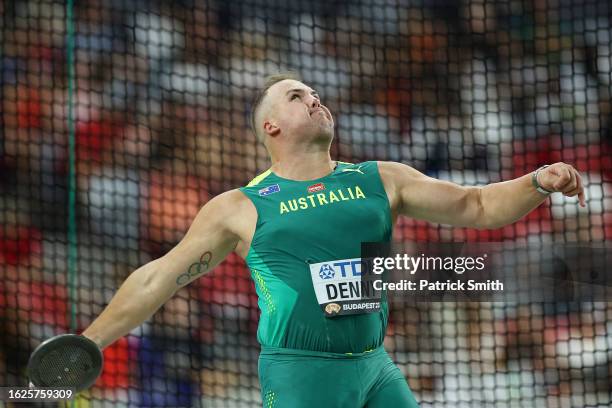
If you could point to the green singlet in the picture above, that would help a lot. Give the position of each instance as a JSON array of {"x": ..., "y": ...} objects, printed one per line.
[{"x": 304, "y": 260}]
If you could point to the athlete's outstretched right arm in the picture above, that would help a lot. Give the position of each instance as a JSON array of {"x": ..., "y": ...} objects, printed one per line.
[{"x": 211, "y": 237}]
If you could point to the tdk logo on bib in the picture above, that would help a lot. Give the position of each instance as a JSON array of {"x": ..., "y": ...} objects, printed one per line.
[
  {"x": 347, "y": 268},
  {"x": 341, "y": 288},
  {"x": 326, "y": 272}
]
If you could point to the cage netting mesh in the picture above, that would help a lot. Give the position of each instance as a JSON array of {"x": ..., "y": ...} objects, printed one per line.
[{"x": 152, "y": 108}]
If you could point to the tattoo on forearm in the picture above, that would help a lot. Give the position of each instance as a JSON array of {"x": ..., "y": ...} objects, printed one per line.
[{"x": 195, "y": 269}]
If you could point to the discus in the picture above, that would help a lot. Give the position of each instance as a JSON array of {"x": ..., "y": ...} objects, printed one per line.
[{"x": 65, "y": 361}]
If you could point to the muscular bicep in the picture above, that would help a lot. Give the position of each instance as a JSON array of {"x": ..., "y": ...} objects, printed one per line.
[
  {"x": 419, "y": 196},
  {"x": 440, "y": 202},
  {"x": 208, "y": 241}
]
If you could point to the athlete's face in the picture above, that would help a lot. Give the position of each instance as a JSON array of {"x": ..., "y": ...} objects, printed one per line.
[{"x": 296, "y": 110}]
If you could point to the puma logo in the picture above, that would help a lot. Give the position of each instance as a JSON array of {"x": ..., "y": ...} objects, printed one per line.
[{"x": 357, "y": 170}]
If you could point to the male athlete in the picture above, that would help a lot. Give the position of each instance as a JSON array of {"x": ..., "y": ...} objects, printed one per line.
[{"x": 290, "y": 224}]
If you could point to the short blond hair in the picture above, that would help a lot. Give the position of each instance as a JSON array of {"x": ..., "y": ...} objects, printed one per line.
[{"x": 263, "y": 92}]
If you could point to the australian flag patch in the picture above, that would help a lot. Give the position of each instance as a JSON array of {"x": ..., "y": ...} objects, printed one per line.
[{"x": 274, "y": 188}]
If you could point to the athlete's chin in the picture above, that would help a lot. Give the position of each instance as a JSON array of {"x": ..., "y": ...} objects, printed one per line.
[
  {"x": 325, "y": 134},
  {"x": 322, "y": 133}
]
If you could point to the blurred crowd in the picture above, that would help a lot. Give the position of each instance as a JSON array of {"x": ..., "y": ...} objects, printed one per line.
[{"x": 472, "y": 91}]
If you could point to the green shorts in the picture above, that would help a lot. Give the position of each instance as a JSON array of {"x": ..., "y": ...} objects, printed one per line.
[{"x": 298, "y": 378}]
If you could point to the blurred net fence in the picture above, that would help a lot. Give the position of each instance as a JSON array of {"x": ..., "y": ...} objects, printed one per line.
[{"x": 471, "y": 91}]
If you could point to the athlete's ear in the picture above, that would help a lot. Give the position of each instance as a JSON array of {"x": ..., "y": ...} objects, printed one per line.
[{"x": 271, "y": 128}]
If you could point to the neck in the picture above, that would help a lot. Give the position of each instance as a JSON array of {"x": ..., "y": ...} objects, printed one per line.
[{"x": 305, "y": 165}]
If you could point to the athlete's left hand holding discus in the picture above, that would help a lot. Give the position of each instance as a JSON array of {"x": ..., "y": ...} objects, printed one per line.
[{"x": 292, "y": 225}]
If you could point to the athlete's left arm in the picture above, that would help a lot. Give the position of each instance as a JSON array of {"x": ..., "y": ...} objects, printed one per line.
[{"x": 418, "y": 196}]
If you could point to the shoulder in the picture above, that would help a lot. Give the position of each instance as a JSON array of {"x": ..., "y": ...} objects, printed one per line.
[
  {"x": 399, "y": 178},
  {"x": 232, "y": 211},
  {"x": 234, "y": 196},
  {"x": 394, "y": 171},
  {"x": 230, "y": 203}
]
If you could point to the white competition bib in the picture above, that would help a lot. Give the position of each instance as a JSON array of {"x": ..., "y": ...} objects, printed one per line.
[{"x": 342, "y": 289}]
